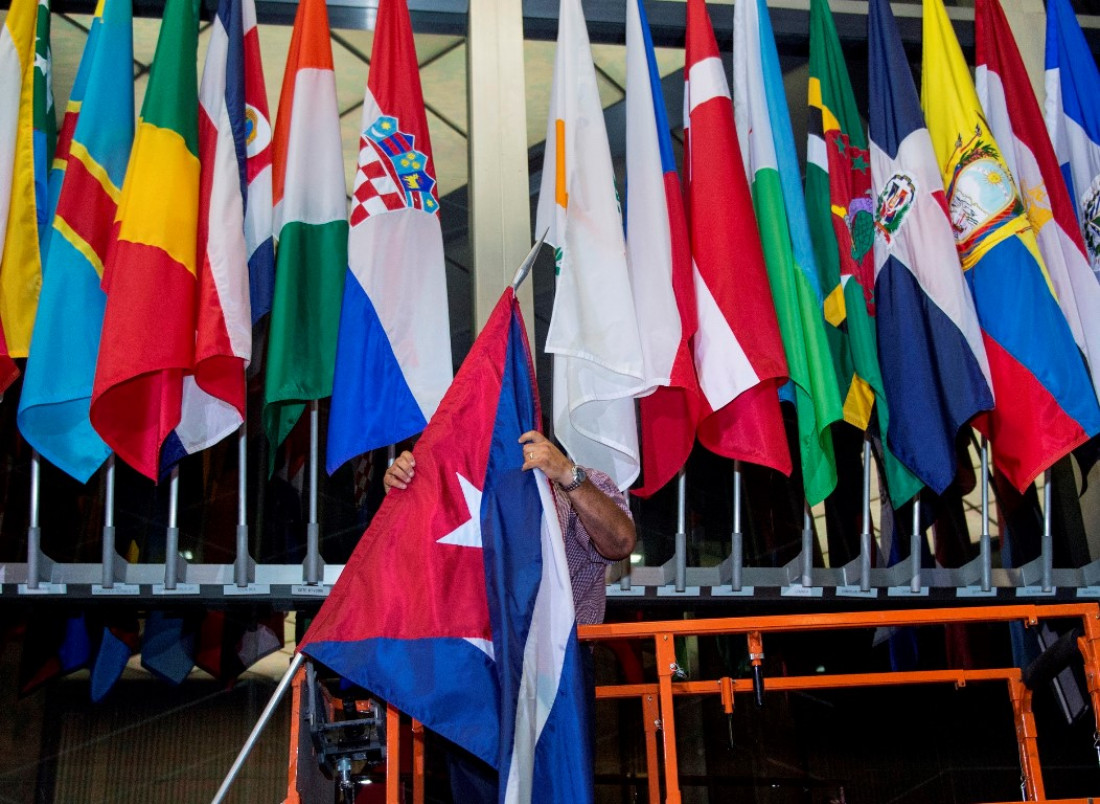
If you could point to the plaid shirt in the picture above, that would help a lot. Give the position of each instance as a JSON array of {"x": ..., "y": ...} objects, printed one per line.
[{"x": 587, "y": 568}]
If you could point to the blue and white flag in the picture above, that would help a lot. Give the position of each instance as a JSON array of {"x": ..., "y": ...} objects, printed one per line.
[
  {"x": 393, "y": 356},
  {"x": 1072, "y": 113}
]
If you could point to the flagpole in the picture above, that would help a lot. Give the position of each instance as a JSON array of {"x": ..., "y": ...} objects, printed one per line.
[
  {"x": 865, "y": 534},
  {"x": 265, "y": 716},
  {"x": 738, "y": 554},
  {"x": 241, "y": 562},
  {"x": 34, "y": 532},
  {"x": 986, "y": 553},
  {"x": 681, "y": 532},
  {"x": 313, "y": 557},
  {"x": 1048, "y": 537},
  {"x": 172, "y": 537},
  {"x": 914, "y": 547},
  {"x": 110, "y": 549},
  {"x": 807, "y": 544}
]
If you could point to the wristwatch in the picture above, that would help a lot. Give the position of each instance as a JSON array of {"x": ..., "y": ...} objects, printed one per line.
[{"x": 579, "y": 476}]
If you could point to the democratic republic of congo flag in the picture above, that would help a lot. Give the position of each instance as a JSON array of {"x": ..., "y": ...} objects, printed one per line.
[
  {"x": 767, "y": 146},
  {"x": 841, "y": 212},
  {"x": 21, "y": 74},
  {"x": 57, "y": 392},
  {"x": 311, "y": 226},
  {"x": 148, "y": 340},
  {"x": 1015, "y": 122},
  {"x": 1045, "y": 402}
]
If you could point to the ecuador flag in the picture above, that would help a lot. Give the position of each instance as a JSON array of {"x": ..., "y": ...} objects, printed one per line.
[{"x": 1045, "y": 402}]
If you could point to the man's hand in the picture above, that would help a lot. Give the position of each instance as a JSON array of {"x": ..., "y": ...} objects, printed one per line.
[
  {"x": 540, "y": 452},
  {"x": 400, "y": 472}
]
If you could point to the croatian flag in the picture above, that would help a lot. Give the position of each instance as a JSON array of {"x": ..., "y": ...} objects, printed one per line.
[
  {"x": 659, "y": 260},
  {"x": 1013, "y": 114},
  {"x": 456, "y": 606},
  {"x": 934, "y": 366},
  {"x": 393, "y": 355},
  {"x": 1072, "y": 113}
]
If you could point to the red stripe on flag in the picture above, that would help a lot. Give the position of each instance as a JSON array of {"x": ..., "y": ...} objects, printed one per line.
[
  {"x": 84, "y": 205},
  {"x": 143, "y": 355},
  {"x": 1022, "y": 451}
]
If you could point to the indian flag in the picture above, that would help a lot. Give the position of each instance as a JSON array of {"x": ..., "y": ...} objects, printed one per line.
[{"x": 311, "y": 227}]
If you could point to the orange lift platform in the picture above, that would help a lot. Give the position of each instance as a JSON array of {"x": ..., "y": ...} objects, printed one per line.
[{"x": 396, "y": 738}]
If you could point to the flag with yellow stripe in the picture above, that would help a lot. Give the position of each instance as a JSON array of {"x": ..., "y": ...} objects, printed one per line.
[
  {"x": 95, "y": 147},
  {"x": 840, "y": 209},
  {"x": 148, "y": 339}
]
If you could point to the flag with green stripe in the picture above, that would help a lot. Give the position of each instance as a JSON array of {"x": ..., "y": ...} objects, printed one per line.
[
  {"x": 767, "y": 146},
  {"x": 841, "y": 216}
]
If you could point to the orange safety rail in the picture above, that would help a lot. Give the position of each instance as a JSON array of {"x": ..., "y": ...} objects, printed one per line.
[
  {"x": 660, "y": 696},
  {"x": 657, "y": 699}
]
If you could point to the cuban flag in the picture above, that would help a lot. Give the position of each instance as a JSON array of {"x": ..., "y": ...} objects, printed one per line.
[
  {"x": 658, "y": 257},
  {"x": 1014, "y": 120},
  {"x": 1072, "y": 113},
  {"x": 933, "y": 361},
  {"x": 393, "y": 355},
  {"x": 456, "y": 606}
]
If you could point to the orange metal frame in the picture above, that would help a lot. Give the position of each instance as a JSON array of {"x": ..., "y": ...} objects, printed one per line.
[{"x": 657, "y": 699}]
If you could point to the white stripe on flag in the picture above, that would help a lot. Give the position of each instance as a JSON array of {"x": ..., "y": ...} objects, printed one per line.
[{"x": 544, "y": 654}]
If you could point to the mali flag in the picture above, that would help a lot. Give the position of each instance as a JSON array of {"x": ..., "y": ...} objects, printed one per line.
[
  {"x": 311, "y": 226},
  {"x": 20, "y": 256},
  {"x": 148, "y": 339},
  {"x": 57, "y": 392},
  {"x": 841, "y": 213},
  {"x": 1045, "y": 402},
  {"x": 767, "y": 145}
]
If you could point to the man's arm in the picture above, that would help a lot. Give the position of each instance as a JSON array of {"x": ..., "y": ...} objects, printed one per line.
[{"x": 610, "y": 529}]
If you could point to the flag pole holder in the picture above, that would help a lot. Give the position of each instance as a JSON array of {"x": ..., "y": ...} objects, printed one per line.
[{"x": 39, "y": 565}]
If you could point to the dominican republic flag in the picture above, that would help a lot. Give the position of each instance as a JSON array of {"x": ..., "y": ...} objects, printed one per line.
[
  {"x": 393, "y": 354},
  {"x": 1072, "y": 113},
  {"x": 456, "y": 606},
  {"x": 737, "y": 348},
  {"x": 57, "y": 390},
  {"x": 659, "y": 257},
  {"x": 214, "y": 395},
  {"x": 934, "y": 367},
  {"x": 594, "y": 329},
  {"x": 1045, "y": 402},
  {"x": 1014, "y": 120},
  {"x": 767, "y": 146}
]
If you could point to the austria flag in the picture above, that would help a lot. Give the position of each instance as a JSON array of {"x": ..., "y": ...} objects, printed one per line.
[{"x": 456, "y": 606}]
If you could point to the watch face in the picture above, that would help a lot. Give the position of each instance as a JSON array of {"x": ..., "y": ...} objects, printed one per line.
[{"x": 579, "y": 475}]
